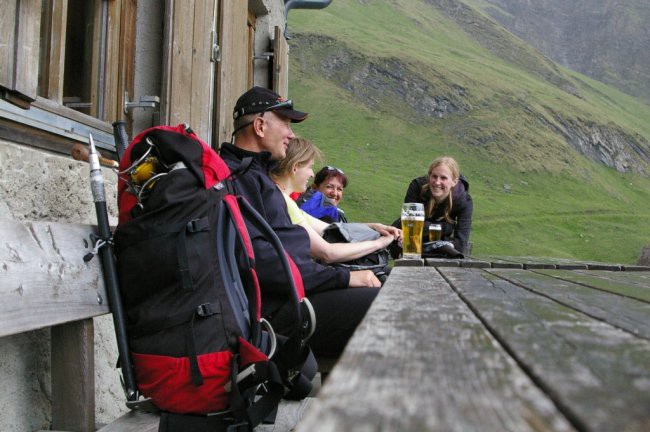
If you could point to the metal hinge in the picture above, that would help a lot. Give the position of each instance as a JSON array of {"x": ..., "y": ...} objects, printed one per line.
[{"x": 215, "y": 54}]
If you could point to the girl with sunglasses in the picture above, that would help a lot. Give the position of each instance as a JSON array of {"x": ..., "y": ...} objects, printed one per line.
[{"x": 322, "y": 199}]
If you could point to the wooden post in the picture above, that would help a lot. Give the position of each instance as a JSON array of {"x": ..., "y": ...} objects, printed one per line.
[{"x": 73, "y": 376}]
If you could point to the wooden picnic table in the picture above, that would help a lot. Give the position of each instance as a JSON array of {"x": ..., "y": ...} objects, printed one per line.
[{"x": 492, "y": 346}]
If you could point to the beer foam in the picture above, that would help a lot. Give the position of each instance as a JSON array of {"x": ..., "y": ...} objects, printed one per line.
[{"x": 413, "y": 217}]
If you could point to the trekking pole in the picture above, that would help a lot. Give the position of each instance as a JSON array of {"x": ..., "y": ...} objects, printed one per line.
[
  {"x": 121, "y": 139},
  {"x": 105, "y": 246}
]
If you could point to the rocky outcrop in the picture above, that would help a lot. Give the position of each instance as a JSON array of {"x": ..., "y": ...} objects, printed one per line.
[
  {"x": 608, "y": 40},
  {"x": 605, "y": 144},
  {"x": 386, "y": 85}
]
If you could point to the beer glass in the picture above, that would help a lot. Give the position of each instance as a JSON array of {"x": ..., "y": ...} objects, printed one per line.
[
  {"x": 435, "y": 232},
  {"x": 412, "y": 224}
]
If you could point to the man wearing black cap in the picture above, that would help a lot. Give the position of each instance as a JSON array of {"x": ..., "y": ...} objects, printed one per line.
[{"x": 262, "y": 130}]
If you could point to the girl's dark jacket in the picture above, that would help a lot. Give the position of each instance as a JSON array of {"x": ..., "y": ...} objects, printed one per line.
[{"x": 457, "y": 231}]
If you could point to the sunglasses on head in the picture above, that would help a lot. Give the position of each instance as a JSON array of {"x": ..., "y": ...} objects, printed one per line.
[
  {"x": 331, "y": 168},
  {"x": 284, "y": 104}
]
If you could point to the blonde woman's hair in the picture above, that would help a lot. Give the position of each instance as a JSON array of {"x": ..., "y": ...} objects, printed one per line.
[
  {"x": 425, "y": 193},
  {"x": 300, "y": 152}
]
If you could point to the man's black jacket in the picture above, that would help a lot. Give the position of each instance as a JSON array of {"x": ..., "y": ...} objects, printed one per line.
[{"x": 257, "y": 187}]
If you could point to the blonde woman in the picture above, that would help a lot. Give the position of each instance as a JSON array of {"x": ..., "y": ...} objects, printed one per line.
[
  {"x": 445, "y": 195},
  {"x": 292, "y": 174}
]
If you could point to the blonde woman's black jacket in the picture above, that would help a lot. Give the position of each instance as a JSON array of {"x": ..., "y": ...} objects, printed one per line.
[{"x": 456, "y": 231}]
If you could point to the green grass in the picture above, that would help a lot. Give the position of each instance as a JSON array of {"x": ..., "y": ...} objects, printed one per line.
[{"x": 533, "y": 195}]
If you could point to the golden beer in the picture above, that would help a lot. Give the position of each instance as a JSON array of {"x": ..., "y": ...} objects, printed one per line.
[
  {"x": 412, "y": 225},
  {"x": 435, "y": 232},
  {"x": 412, "y": 233}
]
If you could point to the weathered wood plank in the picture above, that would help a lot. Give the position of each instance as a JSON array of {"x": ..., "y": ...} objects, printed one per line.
[
  {"x": 623, "y": 312},
  {"x": 203, "y": 70},
  {"x": 43, "y": 279},
  {"x": 597, "y": 374},
  {"x": 526, "y": 262},
  {"x": 442, "y": 262},
  {"x": 474, "y": 263},
  {"x": 8, "y": 25},
  {"x": 568, "y": 264},
  {"x": 500, "y": 262},
  {"x": 503, "y": 263},
  {"x": 280, "y": 63},
  {"x": 181, "y": 62},
  {"x": 635, "y": 268},
  {"x": 634, "y": 284},
  {"x": 27, "y": 48},
  {"x": 408, "y": 262},
  {"x": 609, "y": 267},
  {"x": 53, "y": 65},
  {"x": 73, "y": 376},
  {"x": 421, "y": 361},
  {"x": 135, "y": 421},
  {"x": 232, "y": 78},
  {"x": 289, "y": 413}
]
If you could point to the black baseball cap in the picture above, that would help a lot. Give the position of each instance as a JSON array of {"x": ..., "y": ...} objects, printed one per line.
[{"x": 260, "y": 99}]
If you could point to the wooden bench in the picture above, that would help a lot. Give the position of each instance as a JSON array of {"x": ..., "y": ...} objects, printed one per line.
[
  {"x": 496, "y": 344},
  {"x": 45, "y": 283}
]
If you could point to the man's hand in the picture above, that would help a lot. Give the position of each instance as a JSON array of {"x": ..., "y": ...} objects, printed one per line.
[
  {"x": 387, "y": 230},
  {"x": 363, "y": 279}
]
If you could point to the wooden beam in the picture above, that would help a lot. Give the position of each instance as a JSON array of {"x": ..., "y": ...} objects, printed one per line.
[{"x": 43, "y": 278}]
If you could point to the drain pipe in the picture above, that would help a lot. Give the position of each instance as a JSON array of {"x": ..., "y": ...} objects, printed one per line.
[{"x": 301, "y": 4}]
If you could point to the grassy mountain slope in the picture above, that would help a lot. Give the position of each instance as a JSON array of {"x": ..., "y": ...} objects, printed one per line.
[{"x": 391, "y": 85}]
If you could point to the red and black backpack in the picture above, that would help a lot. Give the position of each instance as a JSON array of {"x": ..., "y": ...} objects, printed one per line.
[{"x": 189, "y": 288}]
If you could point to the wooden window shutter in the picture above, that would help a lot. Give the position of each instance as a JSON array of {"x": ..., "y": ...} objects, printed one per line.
[
  {"x": 234, "y": 66},
  {"x": 120, "y": 57},
  {"x": 188, "y": 76},
  {"x": 280, "y": 63},
  {"x": 20, "y": 24}
]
